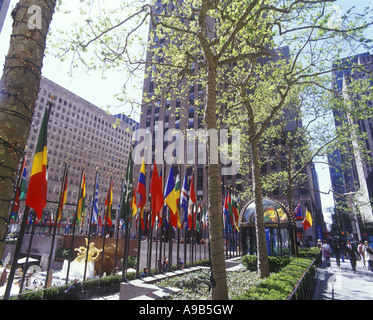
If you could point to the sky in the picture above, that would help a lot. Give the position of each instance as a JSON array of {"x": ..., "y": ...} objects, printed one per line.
[{"x": 100, "y": 92}]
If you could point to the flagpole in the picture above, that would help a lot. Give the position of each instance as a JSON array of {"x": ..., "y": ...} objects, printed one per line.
[
  {"x": 55, "y": 224},
  {"x": 90, "y": 226},
  {"x": 74, "y": 223},
  {"x": 28, "y": 252},
  {"x": 104, "y": 227},
  {"x": 117, "y": 229}
]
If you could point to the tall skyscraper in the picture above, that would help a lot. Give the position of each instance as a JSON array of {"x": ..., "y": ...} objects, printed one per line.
[
  {"x": 185, "y": 112},
  {"x": 351, "y": 174},
  {"x": 4, "y": 5}
]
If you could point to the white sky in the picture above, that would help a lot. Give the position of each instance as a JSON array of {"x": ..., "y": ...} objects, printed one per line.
[{"x": 100, "y": 92}]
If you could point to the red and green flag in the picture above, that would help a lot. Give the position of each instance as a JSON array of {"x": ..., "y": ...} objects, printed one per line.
[{"x": 37, "y": 190}]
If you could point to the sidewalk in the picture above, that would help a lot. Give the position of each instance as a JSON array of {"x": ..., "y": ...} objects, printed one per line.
[{"x": 341, "y": 283}]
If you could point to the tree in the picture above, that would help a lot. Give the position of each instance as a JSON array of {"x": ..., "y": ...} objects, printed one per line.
[
  {"x": 235, "y": 51},
  {"x": 19, "y": 89}
]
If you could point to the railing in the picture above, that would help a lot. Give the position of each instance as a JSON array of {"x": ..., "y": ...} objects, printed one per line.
[{"x": 305, "y": 287}]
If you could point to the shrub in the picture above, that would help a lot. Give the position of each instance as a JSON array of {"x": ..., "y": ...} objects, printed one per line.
[
  {"x": 275, "y": 263},
  {"x": 278, "y": 285}
]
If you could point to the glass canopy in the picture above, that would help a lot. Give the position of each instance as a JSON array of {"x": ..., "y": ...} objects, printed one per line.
[{"x": 274, "y": 212}]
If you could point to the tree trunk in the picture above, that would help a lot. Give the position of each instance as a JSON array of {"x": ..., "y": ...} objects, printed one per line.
[
  {"x": 219, "y": 280},
  {"x": 19, "y": 90},
  {"x": 261, "y": 243}
]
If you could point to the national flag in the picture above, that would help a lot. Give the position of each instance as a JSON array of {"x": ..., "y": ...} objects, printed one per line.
[
  {"x": 127, "y": 194},
  {"x": 37, "y": 190},
  {"x": 141, "y": 189},
  {"x": 184, "y": 199},
  {"x": 227, "y": 211},
  {"x": 236, "y": 214},
  {"x": 192, "y": 201},
  {"x": 109, "y": 204},
  {"x": 81, "y": 201},
  {"x": 95, "y": 204},
  {"x": 157, "y": 199},
  {"x": 170, "y": 197},
  {"x": 133, "y": 205},
  {"x": 99, "y": 219},
  {"x": 307, "y": 222},
  {"x": 63, "y": 196},
  {"x": 177, "y": 194},
  {"x": 298, "y": 212}
]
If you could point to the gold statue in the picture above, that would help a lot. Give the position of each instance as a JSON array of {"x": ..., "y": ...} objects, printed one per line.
[{"x": 93, "y": 252}]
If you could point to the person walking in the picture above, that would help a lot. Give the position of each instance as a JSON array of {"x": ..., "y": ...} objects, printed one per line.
[
  {"x": 326, "y": 252},
  {"x": 337, "y": 251},
  {"x": 361, "y": 250},
  {"x": 352, "y": 254},
  {"x": 369, "y": 255}
]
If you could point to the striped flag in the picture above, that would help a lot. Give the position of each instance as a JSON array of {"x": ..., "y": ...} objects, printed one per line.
[
  {"x": 184, "y": 198},
  {"x": 170, "y": 197},
  {"x": 63, "y": 197},
  {"x": 192, "y": 201},
  {"x": 141, "y": 189},
  {"x": 95, "y": 204},
  {"x": 81, "y": 201},
  {"x": 37, "y": 190},
  {"x": 109, "y": 204}
]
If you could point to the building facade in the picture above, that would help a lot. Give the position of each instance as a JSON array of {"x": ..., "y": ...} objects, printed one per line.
[
  {"x": 80, "y": 135},
  {"x": 4, "y": 5},
  {"x": 350, "y": 172},
  {"x": 183, "y": 113}
]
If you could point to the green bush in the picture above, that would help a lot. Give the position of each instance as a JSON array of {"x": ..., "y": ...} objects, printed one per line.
[
  {"x": 275, "y": 263},
  {"x": 278, "y": 285}
]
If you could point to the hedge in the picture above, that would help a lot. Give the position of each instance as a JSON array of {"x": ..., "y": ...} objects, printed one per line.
[{"x": 278, "y": 285}]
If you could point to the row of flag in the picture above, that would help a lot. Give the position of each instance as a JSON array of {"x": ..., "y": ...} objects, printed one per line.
[{"x": 174, "y": 195}]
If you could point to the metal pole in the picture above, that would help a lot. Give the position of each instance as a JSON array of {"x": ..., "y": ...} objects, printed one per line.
[
  {"x": 55, "y": 224},
  {"x": 73, "y": 233}
]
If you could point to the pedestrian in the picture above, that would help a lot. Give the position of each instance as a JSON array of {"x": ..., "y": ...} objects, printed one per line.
[
  {"x": 352, "y": 254},
  {"x": 369, "y": 255},
  {"x": 181, "y": 264},
  {"x": 165, "y": 265},
  {"x": 144, "y": 273},
  {"x": 361, "y": 250},
  {"x": 337, "y": 251},
  {"x": 319, "y": 244},
  {"x": 74, "y": 292},
  {"x": 326, "y": 252}
]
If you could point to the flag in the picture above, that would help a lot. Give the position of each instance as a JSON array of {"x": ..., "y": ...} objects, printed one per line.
[
  {"x": 177, "y": 194},
  {"x": 141, "y": 189},
  {"x": 298, "y": 212},
  {"x": 81, "y": 201},
  {"x": 157, "y": 194},
  {"x": 184, "y": 199},
  {"x": 20, "y": 191},
  {"x": 170, "y": 197},
  {"x": 236, "y": 214},
  {"x": 133, "y": 205},
  {"x": 192, "y": 201},
  {"x": 109, "y": 203},
  {"x": 95, "y": 204},
  {"x": 307, "y": 222},
  {"x": 127, "y": 194},
  {"x": 63, "y": 197},
  {"x": 37, "y": 190}
]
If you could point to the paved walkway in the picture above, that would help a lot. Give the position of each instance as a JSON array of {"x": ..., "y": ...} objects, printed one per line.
[{"x": 341, "y": 283}]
